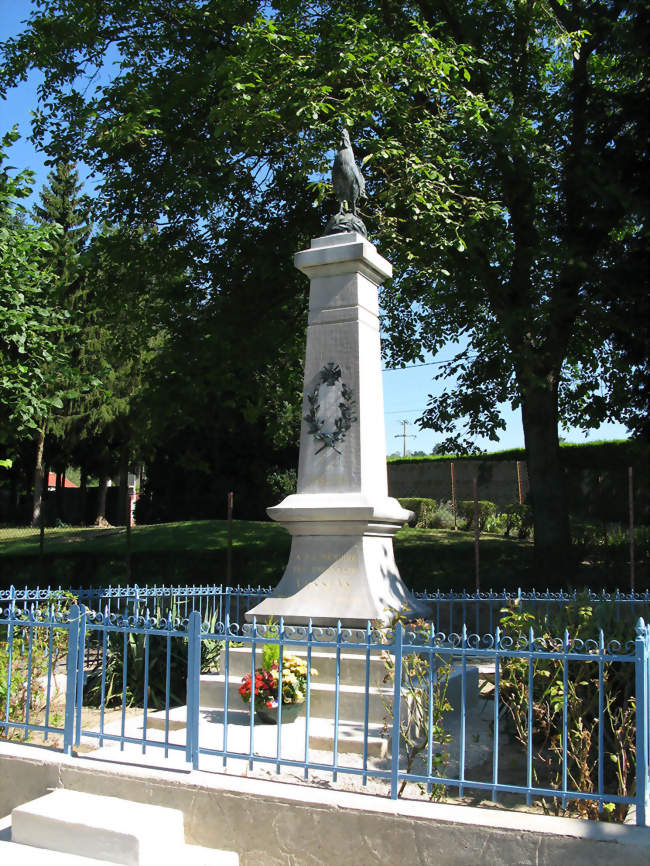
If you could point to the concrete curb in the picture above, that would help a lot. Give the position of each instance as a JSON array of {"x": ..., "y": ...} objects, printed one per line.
[{"x": 286, "y": 824}]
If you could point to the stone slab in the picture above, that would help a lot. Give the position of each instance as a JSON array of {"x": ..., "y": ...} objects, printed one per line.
[
  {"x": 14, "y": 854},
  {"x": 110, "y": 828}
]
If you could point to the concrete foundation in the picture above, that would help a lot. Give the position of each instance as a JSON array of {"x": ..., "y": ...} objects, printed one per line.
[{"x": 283, "y": 825}]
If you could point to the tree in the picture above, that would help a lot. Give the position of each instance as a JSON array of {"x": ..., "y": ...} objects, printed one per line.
[
  {"x": 228, "y": 416},
  {"x": 529, "y": 257},
  {"x": 30, "y": 322},
  {"x": 487, "y": 131},
  {"x": 185, "y": 149},
  {"x": 552, "y": 288},
  {"x": 128, "y": 274},
  {"x": 63, "y": 207}
]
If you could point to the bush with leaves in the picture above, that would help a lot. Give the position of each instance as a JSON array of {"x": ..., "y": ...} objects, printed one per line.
[
  {"x": 518, "y": 518},
  {"x": 427, "y": 513},
  {"x": 23, "y": 677},
  {"x": 145, "y": 656},
  {"x": 486, "y": 510},
  {"x": 425, "y": 678},
  {"x": 581, "y": 621}
]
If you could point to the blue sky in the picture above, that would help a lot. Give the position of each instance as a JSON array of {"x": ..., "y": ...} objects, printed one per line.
[{"x": 405, "y": 391}]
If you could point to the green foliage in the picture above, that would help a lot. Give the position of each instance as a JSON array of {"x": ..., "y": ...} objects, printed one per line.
[
  {"x": 147, "y": 655},
  {"x": 465, "y": 510},
  {"x": 62, "y": 205},
  {"x": 518, "y": 518},
  {"x": 425, "y": 707},
  {"x": 34, "y": 363},
  {"x": 129, "y": 650},
  {"x": 421, "y": 507},
  {"x": 282, "y": 482},
  {"x": 428, "y": 514},
  {"x": 485, "y": 131},
  {"x": 583, "y": 622},
  {"x": 270, "y": 655},
  {"x": 612, "y": 454},
  {"x": 28, "y": 695}
]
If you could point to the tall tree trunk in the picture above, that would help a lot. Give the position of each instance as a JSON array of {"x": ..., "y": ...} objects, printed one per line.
[
  {"x": 101, "y": 501},
  {"x": 58, "y": 494},
  {"x": 123, "y": 516},
  {"x": 539, "y": 411},
  {"x": 13, "y": 497},
  {"x": 37, "y": 504},
  {"x": 83, "y": 496}
]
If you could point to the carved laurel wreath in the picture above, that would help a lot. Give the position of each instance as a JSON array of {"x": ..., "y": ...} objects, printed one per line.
[{"x": 330, "y": 375}]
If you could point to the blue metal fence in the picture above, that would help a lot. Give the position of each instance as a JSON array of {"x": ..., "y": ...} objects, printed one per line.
[
  {"x": 140, "y": 657},
  {"x": 449, "y": 610}
]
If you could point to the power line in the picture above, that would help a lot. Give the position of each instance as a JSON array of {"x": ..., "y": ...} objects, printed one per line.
[
  {"x": 413, "y": 366},
  {"x": 427, "y": 364},
  {"x": 402, "y": 411}
]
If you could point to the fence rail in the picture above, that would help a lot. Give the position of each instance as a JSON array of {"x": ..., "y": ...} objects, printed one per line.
[
  {"x": 449, "y": 610},
  {"x": 568, "y": 702}
]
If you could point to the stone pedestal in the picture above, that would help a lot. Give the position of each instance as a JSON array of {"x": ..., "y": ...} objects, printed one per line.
[{"x": 342, "y": 520}]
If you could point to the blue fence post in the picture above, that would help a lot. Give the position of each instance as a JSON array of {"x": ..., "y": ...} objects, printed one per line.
[
  {"x": 193, "y": 688},
  {"x": 642, "y": 665},
  {"x": 81, "y": 672},
  {"x": 397, "y": 709},
  {"x": 71, "y": 678}
]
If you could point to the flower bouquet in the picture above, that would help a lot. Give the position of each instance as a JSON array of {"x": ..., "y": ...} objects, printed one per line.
[{"x": 266, "y": 685}]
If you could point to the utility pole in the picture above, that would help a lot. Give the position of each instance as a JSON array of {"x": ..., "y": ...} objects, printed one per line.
[{"x": 404, "y": 435}]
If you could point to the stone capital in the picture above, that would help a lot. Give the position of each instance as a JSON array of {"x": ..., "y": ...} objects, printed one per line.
[{"x": 343, "y": 254}]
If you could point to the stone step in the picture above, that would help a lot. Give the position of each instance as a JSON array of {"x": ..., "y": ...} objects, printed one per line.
[
  {"x": 119, "y": 831},
  {"x": 322, "y": 695},
  {"x": 351, "y": 697},
  {"x": 321, "y": 731},
  {"x": 350, "y": 739},
  {"x": 13, "y": 854},
  {"x": 352, "y": 665}
]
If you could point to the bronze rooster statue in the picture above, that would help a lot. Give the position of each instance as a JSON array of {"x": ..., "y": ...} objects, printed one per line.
[
  {"x": 348, "y": 185},
  {"x": 347, "y": 180}
]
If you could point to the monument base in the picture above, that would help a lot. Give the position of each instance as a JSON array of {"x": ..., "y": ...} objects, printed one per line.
[{"x": 341, "y": 565}]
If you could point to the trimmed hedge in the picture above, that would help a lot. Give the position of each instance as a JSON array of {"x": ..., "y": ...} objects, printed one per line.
[
  {"x": 519, "y": 518},
  {"x": 590, "y": 455},
  {"x": 428, "y": 514},
  {"x": 465, "y": 511},
  {"x": 421, "y": 507}
]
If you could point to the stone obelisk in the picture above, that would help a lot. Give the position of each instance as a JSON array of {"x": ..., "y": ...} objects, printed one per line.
[{"x": 342, "y": 521}]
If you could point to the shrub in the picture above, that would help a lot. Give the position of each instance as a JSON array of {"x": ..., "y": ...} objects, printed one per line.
[
  {"x": 497, "y": 524},
  {"x": 583, "y": 621},
  {"x": 421, "y": 507},
  {"x": 443, "y": 518},
  {"x": 139, "y": 659},
  {"x": 29, "y": 693},
  {"x": 518, "y": 518},
  {"x": 428, "y": 514},
  {"x": 486, "y": 509},
  {"x": 426, "y": 705}
]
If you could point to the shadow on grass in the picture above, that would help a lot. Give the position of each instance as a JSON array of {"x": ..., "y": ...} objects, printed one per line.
[{"x": 195, "y": 552}]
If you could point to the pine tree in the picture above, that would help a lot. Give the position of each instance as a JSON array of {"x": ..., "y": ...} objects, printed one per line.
[{"x": 62, "y": 205}]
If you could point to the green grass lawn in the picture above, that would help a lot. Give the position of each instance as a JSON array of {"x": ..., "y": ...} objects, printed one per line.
[
  {"x": 195, "y": 536},
  {"x": 195, "y": 552}
]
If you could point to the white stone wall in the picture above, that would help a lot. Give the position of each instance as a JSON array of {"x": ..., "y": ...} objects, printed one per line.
[{"x": 278, "y": 824}]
